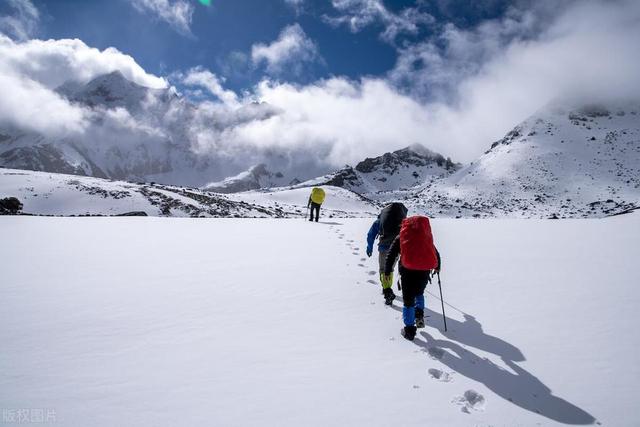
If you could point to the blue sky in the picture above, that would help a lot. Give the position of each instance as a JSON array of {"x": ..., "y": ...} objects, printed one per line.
[
  {"x": 346, "y": 78},
  {"x": 226, "y": 30}
]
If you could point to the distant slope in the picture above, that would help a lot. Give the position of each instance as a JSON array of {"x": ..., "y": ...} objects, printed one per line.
[
  {"x": 339, "y": 202},
  {"x": 44, "y": 193},
  {"x": 561, "y": 162}
]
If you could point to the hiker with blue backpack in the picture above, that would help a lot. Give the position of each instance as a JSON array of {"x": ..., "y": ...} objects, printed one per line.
[
  {"x": 418, "y": 259},
  {"x": 386, "y": 228}
]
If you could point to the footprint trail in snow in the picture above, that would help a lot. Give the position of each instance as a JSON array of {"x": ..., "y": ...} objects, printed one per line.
[{"x": 471, "y": 400}]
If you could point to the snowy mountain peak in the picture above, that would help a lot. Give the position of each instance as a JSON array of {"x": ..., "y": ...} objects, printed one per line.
[
  {"x": 415, "y": 155},
  {"x": 398, "y": 170},
  {"x": 108, "y": 90},
  {"x": 256, "y": 177}
]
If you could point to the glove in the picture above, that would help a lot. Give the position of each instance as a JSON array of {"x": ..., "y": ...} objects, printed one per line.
[{"x": 369, "y": 252}]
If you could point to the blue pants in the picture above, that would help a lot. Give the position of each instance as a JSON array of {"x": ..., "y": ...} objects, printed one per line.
[
  {"x": 414, "y": 283},
  {"x": 409, "y": 313}
]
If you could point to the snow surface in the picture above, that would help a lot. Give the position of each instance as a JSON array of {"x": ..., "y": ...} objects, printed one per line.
[
  {"x": 44, "y": 193},
  {"x": 156, "y": 321}
]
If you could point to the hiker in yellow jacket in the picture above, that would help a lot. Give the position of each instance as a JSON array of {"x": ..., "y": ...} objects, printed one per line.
[{"x": 315, "y": 201}]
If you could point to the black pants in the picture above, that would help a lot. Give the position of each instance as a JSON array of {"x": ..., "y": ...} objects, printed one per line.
[
  {"x": 413, "y": 283},
  {"x": 314, "y": 207}
]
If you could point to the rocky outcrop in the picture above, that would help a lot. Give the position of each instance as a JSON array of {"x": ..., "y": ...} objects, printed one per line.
[{"x": 10, "y": 206}]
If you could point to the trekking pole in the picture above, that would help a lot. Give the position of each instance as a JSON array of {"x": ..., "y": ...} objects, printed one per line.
[{"x": 444, "y": 316}]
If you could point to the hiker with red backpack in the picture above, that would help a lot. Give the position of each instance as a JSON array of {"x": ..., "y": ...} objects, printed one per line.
[
  {"x": 386, "y": 227},
  {"x": 418, "y": 258}
]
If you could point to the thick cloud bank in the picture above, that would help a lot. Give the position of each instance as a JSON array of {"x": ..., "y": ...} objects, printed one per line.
[
  {"x": 31, "y": 70},
  {"x": 455, "y": 93},
  {"x": 461, "y": 91},
  {"x": 459, "y": 98}
]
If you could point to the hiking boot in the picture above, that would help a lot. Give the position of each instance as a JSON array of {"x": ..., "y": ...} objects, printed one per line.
[
  {"x": 389, "y": 296},
  {"x": 419, "y": 318},
  {"x": 408, "y": 332}
]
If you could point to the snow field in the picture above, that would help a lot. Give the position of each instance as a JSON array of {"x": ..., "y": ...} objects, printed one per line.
[{"x": 150, "y": 321}]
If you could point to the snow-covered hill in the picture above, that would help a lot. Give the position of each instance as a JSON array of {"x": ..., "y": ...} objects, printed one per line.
[
  {"x": 44, "y": 193},
  {"x": 156, "y": 321},
  {"x": 561, "y": 162},
  {"x": 398, "y": 170}
]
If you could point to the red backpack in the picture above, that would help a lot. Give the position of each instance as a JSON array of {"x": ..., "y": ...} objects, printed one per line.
[{"x": 417, "y": 251}]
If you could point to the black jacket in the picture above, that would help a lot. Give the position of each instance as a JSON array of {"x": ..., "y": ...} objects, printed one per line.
[
  {"x": 312, "y": 203},
  {"x": 394, "y": 252}
]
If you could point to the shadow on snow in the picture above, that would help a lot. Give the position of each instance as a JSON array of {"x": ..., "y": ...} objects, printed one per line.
[{"x": 518, "y": 386}]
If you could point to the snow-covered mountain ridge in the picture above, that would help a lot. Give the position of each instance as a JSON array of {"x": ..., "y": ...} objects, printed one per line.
[
  {"x": 401, "y": 169},
  {"x": 567, "y": 160},
  {"x": 561, "y": 162},
  {"x": 135, "y": 133},
  {"x": 124, "y": 137}
]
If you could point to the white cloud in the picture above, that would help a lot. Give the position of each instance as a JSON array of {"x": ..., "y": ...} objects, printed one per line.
[
  {"x": 23, "y": 23},
  {"x": 296, "y": 5},
  {"x": 200, "y": 77},
  {"x": 491, "y": 78},
  {"x": 177, "y": 13},
  {"x": 335, "y": 121},
  {"x": 26, "y": 104},
  {"x": 488, "y": 79},
  {"x": 53, "y": 62},
  {"x": 31, "y": 70},
  {"x": 358, "y": 14},
  {"x": 434, "y": 68},
  {"x": 289, "y": 52}
]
